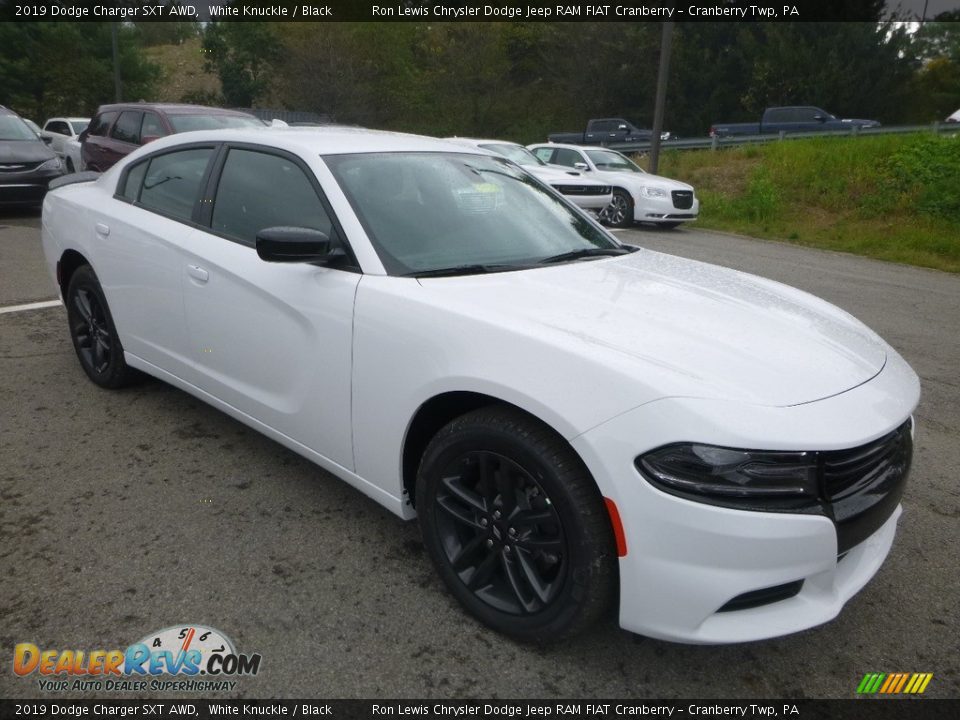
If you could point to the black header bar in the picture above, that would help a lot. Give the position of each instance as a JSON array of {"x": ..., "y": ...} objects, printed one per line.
[{"x": 461, "y": 10}]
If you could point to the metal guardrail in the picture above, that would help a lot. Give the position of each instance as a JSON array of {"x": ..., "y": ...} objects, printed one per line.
[{"x": 715, "y": 143}]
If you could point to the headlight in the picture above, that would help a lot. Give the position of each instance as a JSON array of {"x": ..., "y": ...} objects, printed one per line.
[
  {"x": 52, "y": 164},
  {"x": 652, "y": 192},
  {"x": 737, "y": 478}
]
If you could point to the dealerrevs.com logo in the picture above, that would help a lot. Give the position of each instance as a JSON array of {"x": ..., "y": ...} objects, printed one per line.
[{"x": 182, "y": 651}]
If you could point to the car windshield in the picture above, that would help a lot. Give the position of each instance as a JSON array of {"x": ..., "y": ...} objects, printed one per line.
[
  {"x": 13, "y": 128},
  {"x": 607, "y": 160},
  {"x": 79, "y": 126},
  {"x": 519, "y": 154},
  {"x": 430, "y": 212},
  {"x": 186, "y": 123}
]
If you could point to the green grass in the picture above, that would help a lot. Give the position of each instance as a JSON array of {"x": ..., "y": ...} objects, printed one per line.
[{"x": 889, "y": 197}]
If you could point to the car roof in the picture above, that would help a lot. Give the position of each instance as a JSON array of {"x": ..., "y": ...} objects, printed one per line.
[
  {"x": 67, "y": 119},
  {"x": 479, "y": 141},
  {"x": 571, "y": 146},
  {"x": 172, "y": 109},
  {"x": 330, "y": 140}
]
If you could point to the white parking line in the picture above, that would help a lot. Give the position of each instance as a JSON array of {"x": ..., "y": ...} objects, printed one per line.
[{"x": 29, "y": 306}]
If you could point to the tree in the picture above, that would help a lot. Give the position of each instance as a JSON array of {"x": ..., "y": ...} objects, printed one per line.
[
  {"x": 243, "y": 54},
  {"x": 61, "y": 68}
]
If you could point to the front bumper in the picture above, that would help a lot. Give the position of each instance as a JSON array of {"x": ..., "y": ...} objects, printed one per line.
[
  {"x": 26, "y": 187},
  {"x": 687, "y": 562},
  {"x": 657, "y": 210}
]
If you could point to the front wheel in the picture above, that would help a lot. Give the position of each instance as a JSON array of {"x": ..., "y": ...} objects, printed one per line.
[
  {"x": 619, "y": 213},
  {"x": 516, "y": 526},
  {"x": 93, "y": 332}
]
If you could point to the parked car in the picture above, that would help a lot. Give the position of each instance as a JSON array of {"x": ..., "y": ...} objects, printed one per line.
[
  {"x": 589, "y": 194},
  {"x": 571, "y": 420},
  {"x": 27, "y": 165},
  {"x": 805, "y": 118},
  {"x": 72, "y": 154},
  {"x": 603, "y": 131},
  {"x": 638, "y": 196},
  {"x": 118, "y": 130},
  {"x": 57, "y": 131},
  {"x": 954, "y": 118},
  {"x": 34, "y": 127}
]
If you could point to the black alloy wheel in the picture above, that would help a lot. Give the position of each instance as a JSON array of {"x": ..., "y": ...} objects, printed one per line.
[
  {"x": 619, "y": 213},
  {"x": 516, "y": 526},
  {"x": 93, "y": 332}
]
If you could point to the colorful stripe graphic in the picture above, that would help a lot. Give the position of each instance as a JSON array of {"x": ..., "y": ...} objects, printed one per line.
[{"x": 894, "y": 683}]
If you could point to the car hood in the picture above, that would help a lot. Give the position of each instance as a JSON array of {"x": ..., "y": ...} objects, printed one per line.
[
  {"x": 632, "y": 179},
  {"x": 554, "y": 175},
  {"x": 24, "y": 151},
  {"x": 684, "y": 327}
]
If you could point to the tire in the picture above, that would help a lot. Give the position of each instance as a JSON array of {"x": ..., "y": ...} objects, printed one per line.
[
  {"x": 619, "y": 213},
  {"x": 70, "y": 168},
  {"x": 93, "y": 333},
  {"x": 539, "y": 566}
]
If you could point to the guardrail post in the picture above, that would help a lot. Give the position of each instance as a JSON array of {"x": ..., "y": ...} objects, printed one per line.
[
  {"x": 936, "y": 127},
  {"x": 855, "y": 130},
  {"x": 714, "y": 142},
  {"x": 783, "y": 134}
]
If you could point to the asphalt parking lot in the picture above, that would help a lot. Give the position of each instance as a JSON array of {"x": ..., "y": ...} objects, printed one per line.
[{"x": 122, "y": 513}]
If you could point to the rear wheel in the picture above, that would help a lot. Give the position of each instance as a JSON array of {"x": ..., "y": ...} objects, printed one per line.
[
  {"x": 619, "y": 213},
  {"x": 516, "y": 526},
  {"x": 93, "y": 332}
]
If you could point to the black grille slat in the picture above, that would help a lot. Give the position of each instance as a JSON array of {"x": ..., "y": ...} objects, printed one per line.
[
  {"x": 19, "y": 167},
  {"x": 682, "y": 199},
  {"x": 863, "y": 485}
]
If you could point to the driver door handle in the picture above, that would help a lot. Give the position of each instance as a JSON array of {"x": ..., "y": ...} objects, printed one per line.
[{"x": 198, "y": 273}]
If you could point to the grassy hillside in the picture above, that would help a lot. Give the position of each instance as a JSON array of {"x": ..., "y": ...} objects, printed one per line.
[
  {"x": 890, "y": 197},
  {"x": 182, "y": 75}
]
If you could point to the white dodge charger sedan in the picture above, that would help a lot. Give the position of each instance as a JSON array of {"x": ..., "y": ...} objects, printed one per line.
[
  {"x": 577, "y": 425},
  {"x": 583, "y": 192},
  {"x": 638, "y": 196}
]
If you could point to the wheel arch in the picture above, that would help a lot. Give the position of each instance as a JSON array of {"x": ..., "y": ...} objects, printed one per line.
[
  {"x": 440, "y": 410},
  {"x": 67, "y": 265}
]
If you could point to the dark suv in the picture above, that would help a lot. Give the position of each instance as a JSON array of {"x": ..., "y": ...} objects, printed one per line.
[
  {"x": 27, "y": 165},
  {"x": 118, "y": 130}
]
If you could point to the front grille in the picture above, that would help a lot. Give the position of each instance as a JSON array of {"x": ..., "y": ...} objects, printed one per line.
[
  {"x": 583, "y": 189},
  {"x": 19, "y": 167},
  {"x": 863, "y": 485},
  {"x": 682, "y": 199}
]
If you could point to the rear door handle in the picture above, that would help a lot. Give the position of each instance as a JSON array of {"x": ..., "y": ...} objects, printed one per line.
[
  {"x": 198, "y": 273},
  {"x": 102, "y": 229}
]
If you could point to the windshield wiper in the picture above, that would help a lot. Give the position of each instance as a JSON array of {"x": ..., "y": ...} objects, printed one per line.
[
  {"x": 586, "y": 253},
  {"x": 475, "y": 269}
]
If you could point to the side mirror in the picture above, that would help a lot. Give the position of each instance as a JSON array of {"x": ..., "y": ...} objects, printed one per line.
[
  {"x": 47, "y": 139},
  {"x": 295, "y": 245},
  {"x": 621, "y": 126},
  {"x": 819, "y": 118},
  {"x": 581, "y": 166}
]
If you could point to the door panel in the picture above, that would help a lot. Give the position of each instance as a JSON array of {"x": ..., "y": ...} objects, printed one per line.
[{"x": 273, "y": 340}]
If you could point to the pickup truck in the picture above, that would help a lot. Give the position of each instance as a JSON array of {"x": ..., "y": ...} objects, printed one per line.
[
  {"x": 602, "y": 131},
  {"x": 805, "y": 118}
]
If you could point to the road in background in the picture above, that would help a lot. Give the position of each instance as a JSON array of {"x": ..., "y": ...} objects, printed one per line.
[{"x": 125, "y": 512}]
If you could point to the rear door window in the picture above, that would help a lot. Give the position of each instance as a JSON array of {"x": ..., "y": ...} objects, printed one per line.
[{"x": 172, "y": 182}]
